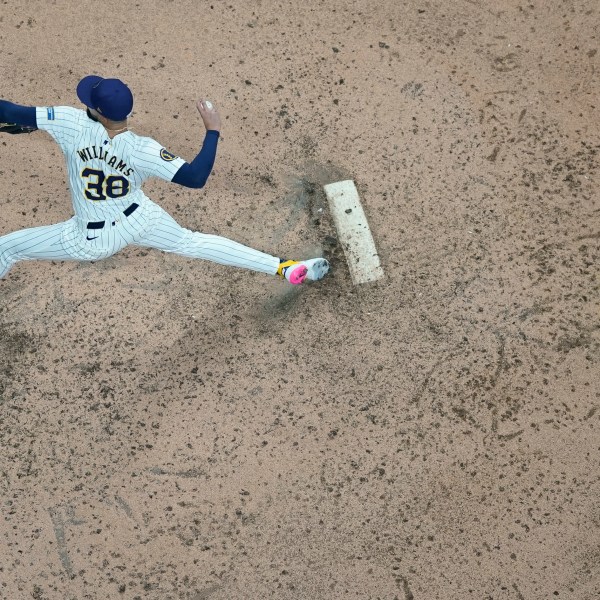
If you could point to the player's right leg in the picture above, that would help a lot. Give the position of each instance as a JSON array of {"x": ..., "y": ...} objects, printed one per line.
[
  {"x": 167, "y": 235},
  {"x": 36, "y": 243}
]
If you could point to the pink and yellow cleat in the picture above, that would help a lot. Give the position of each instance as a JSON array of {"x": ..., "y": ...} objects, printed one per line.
[{"x": 297, "y": 272}]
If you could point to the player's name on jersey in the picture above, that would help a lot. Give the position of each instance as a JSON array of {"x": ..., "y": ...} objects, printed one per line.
[{"x": 94, "y": 152}]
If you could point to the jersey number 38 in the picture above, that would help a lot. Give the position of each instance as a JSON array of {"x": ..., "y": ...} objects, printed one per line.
[{"x": 101, "y": 187}]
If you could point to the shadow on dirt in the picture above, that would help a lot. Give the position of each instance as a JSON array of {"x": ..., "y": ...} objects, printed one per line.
[{"x": 14, "y": 345}]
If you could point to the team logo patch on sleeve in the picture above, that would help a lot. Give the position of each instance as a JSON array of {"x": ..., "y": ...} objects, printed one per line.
[
  {"x": 166, "y": 155},
  {"x": 50, "y": 112}
]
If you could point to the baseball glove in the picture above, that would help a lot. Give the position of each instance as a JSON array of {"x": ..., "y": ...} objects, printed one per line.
[{"x": 14, "y": 129}]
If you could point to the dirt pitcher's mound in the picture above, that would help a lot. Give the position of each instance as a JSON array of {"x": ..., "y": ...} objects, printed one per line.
[{"x": 173, "y": 429}]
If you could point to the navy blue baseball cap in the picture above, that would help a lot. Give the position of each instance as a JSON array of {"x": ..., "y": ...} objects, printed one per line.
[{"x": 110, "y": 97}]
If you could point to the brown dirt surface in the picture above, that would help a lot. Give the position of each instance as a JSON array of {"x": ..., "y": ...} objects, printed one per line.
[{"x": 173, "y": 429}]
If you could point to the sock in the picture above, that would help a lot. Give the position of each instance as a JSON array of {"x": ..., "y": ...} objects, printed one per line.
[{"x": 283, "y": 265}]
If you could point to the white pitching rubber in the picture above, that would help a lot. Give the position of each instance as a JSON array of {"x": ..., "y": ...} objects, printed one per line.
[{"x": 353, "y": 232}]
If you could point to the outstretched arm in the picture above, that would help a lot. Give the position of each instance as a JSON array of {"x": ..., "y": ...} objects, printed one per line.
[
  {"x": 18, "y": 115},
  {"x": 195, "y": 174}
]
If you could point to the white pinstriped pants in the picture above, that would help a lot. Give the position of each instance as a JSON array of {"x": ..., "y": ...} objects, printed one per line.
[{"x": 149, "y": 226}]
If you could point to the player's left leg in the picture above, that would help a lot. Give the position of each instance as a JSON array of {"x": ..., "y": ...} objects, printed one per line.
[
  {"x": 36, "y": 243},
  {"x": 169, "y": 236}
]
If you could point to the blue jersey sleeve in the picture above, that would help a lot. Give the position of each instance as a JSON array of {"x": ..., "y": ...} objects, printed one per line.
[
  {"x": 195, "y": 174},
  {"x": 14, "y": 113}
]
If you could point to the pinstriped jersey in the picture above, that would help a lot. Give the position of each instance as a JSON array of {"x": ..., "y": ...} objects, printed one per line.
[{"x": 105, "y": 176}]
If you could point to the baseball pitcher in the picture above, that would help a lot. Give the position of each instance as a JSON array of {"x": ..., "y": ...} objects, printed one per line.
[{"x": 107, "y": 164}]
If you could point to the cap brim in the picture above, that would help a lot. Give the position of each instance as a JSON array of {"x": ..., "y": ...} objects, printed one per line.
[{"x": 84, "y": 89}]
